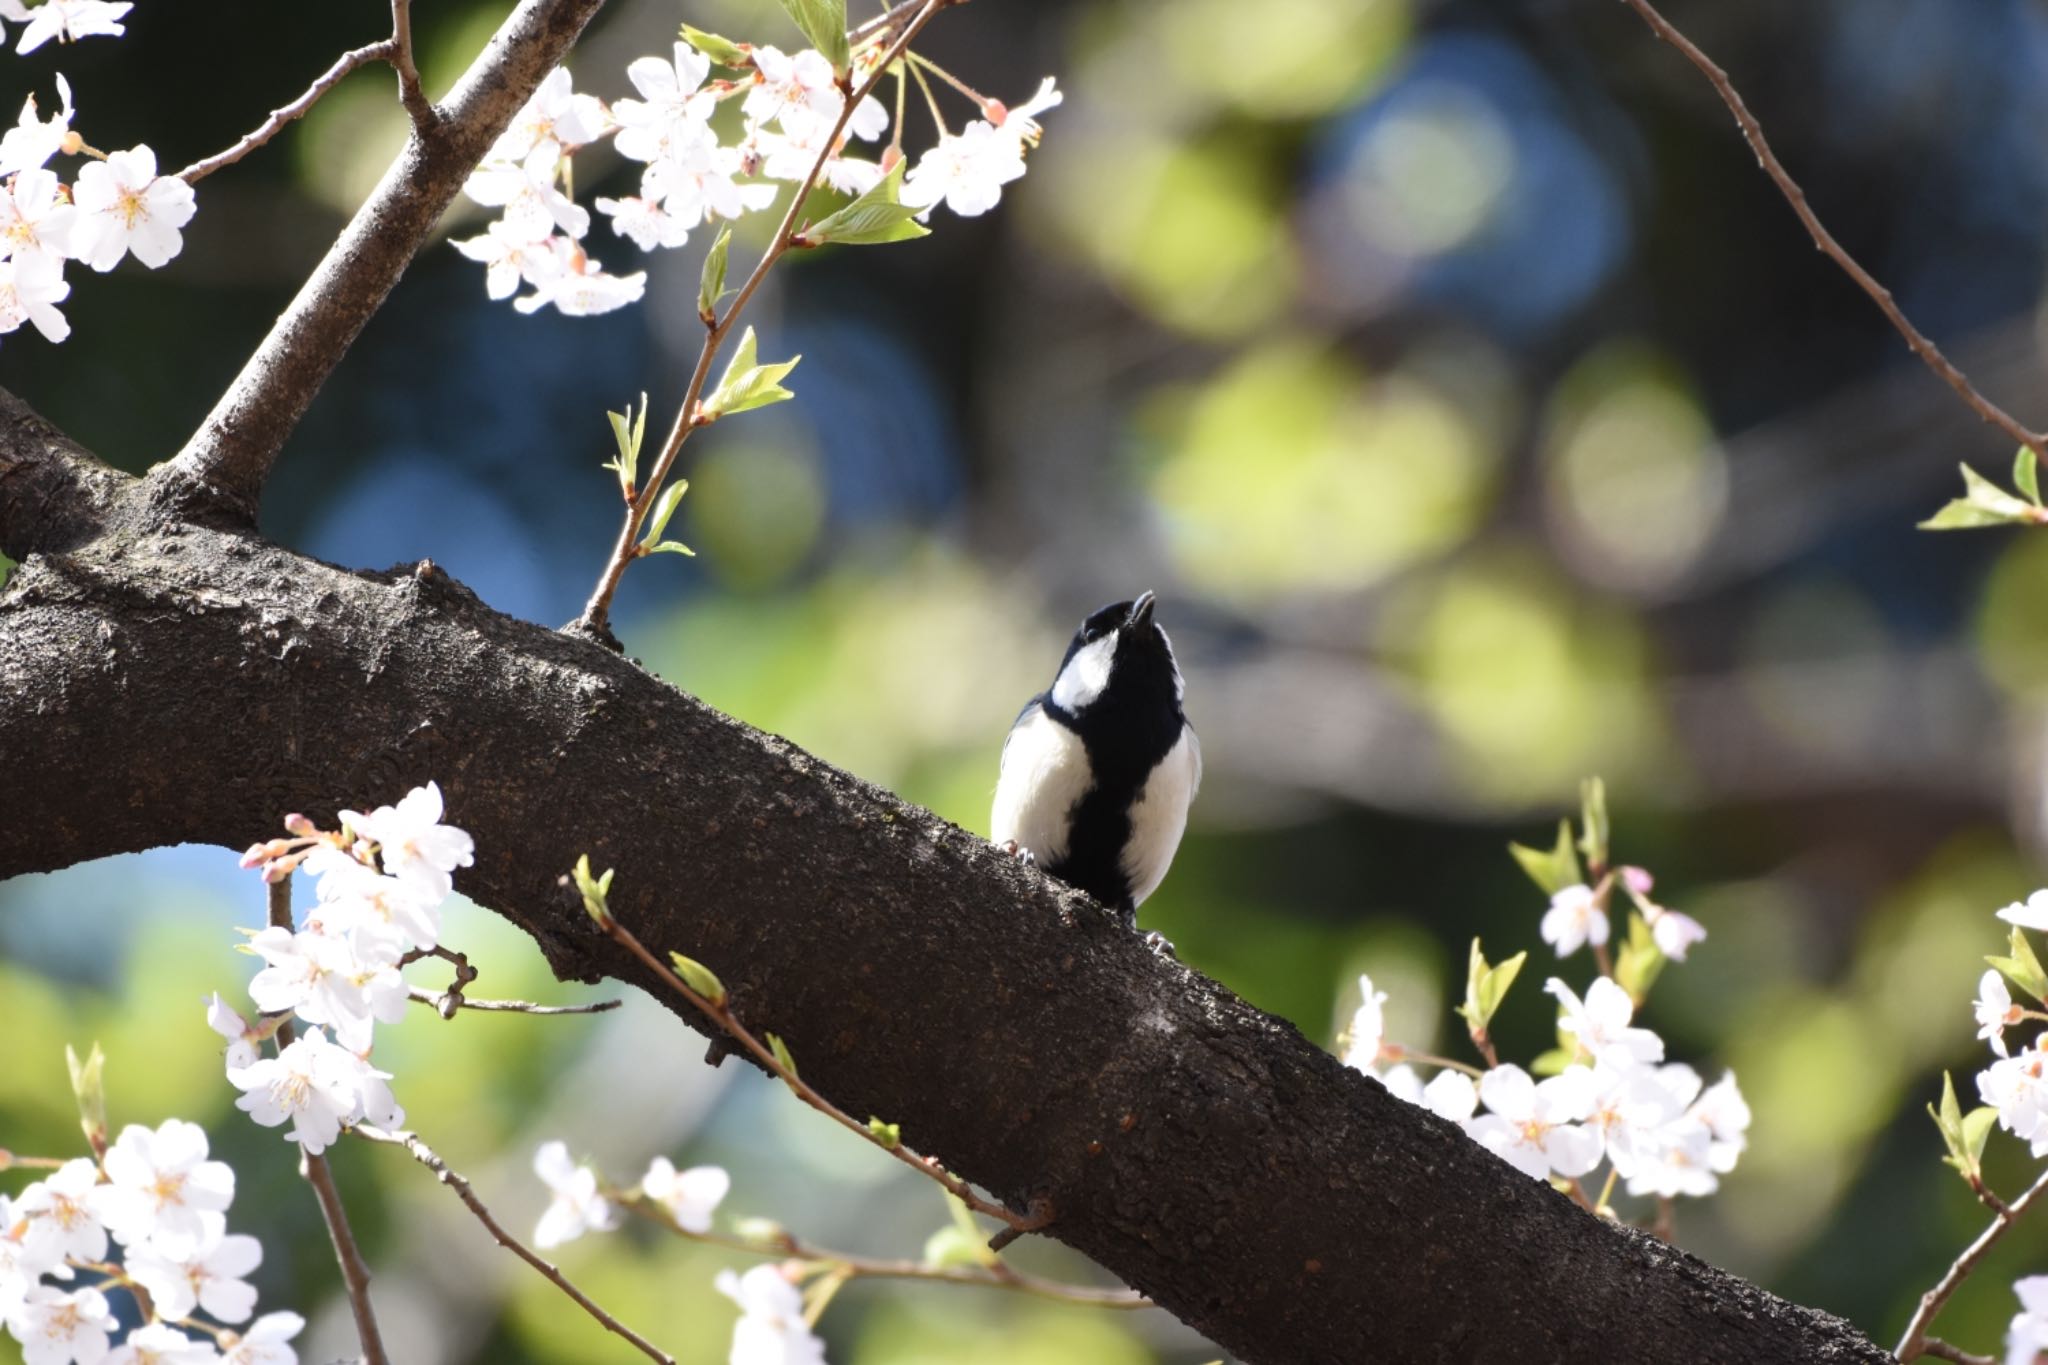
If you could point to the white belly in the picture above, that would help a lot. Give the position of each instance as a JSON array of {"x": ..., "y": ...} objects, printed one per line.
[
  {"x": 1044, "y": 772},
  {"x": 1161, "y": 815}
]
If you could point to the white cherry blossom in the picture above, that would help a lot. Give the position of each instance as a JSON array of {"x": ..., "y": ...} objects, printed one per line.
[
  {"x": 1364, "y": 1039},
  {"x": 33, "y": 141},
  {"x": 771, "y": 1329},
  {"x": 1726, "y": 1116},
  {"x": 672, "y": 114},
  {"x": 1630, "y": 1109},
  {"x": 229, "y": 1024},
  {"x": 691, "y": 1196},
  {"x": 1021, "y": 121},
  {"x": 313, "y": 1085},
  {"x": 321, "y": 978},
  {"x": 577, "y": 1207},
  {"x": 56, "y": 1328},
  {"x": 1673, "y": 933},
  {"x": 2027, "y": 1337},
  {"x": 1534, "y": 1126},
  {"x": 267, "y": 1342},
  {"x": 125, "y": 207},
  {"x": 412, "y": 843},
  {"x": 380, "y": 916},
  {"x": 63, "y": 1213},
  {"x": 556, "y": 116},
  {"x": 644, "y": 222},
  {"x": 65, "y": 20},
  {"x": 1995, "y": 1010},
  {"x": 160, "y": 1183},
  {"x": 699, "y": 183},
  {"x": 581, "y": 288},
  {"x": 1601, "y": 1023},
  {"x": 966, "y": 170},
  {"x": 512, "y": 254},
  {"x": 1678, "y": 1160},
  {"x": 1573, "y": 920},
  {"x": 533, "y": 204},
  {"x": 161, "y": 1344},
  {"x": 31, "y": 287},
  {"x": 209, "y": 1278},
  {"x": 2032, "y": 913},
  {"x": 34, "y": 216}
]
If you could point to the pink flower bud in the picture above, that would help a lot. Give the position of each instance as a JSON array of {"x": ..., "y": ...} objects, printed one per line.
[
  {"x": 301, "y": 826},
  {"x": 995, "y": 111},
  {"x": 256, "y": 854},
  {"x": 1637, "y": 880}
]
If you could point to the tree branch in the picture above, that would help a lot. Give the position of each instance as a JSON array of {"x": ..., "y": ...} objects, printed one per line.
[
  {"x": 275, "y": 124},
  {"x": 1753, "y": 133},
  {"x": 1914, "y": 1343},
  {"x": 228, "y": 459},
  {"x": 172, "y": 682}
]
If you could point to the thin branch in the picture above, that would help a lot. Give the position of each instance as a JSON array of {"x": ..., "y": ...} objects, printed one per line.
[
  {"x": 1914, "y": 1343},
  {"x": 272, "y": 126},
  {"x": 426, "y": 1156},
  {"x": 418, "y": 107},
  {"x": 885, "y": 24},
  {"x": 225, "y": 464},
  {"x": 721, "y": 1014},
  {"x": 1753, "y": 133},
  {"x": 995, "y": 1275},
  {"x": 355, "y": 1271},
  {"x": 1942, "y": 1350},
  {"x": 440, "y": 1003},
  {"x": 596, "y": 613}
]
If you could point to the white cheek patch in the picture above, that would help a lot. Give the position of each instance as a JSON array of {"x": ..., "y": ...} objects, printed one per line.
[
  {"x": 1045, "y": 771},
  {"x": 1085, "y": 675},
  {"x": 1160, "y": 815}
]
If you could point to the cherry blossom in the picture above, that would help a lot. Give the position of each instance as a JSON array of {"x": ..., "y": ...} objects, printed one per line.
[
  {"x": 644, "y": 222},
  {"x": 266, "y": 1341},
  {"x": 771, "y": 1329},
  {"x": 556, "y": 116},
  {"x": 32, "y": 141},
  {"x": 527, "y": 192},
  {"x": 241, "y": 1050},
  {"x": 23, "y": 1260},
  {"x": 581, "y": 288},
  {"x": 56, "y": 1328},
  {"x": 322, "y": 979},
  {"x": 380, "y": 916},
  {"x": 1726, "y": 1116},
  {"x": 34, "y": 216},
  {"x": 312, "y": 1084},
  {"x": 31, "y": 287},
  {"x": 1673, "y": 933},
  {"x": 161, "y": 1344},
  {"x": 672, "y": 114},
  {"x": 160, "y": 1184},
  {"x": 1601, "y": 1023},
  {"x": 2029, "y": 914},
  {"x": 699, "y": 183},
  {"x": 1021, "y": 121},
  {"x": 2027, "y": 1337},
  {"x": 412, "y": 843},
  {"x": 577, "y": 1207},
  {"x": 691, "y": 1196},
  {"x": 2016, "y": 1088},
  {"x": 511, "y": 253},
  {"x": 1677, "y": 1161},
  {"x": 1368, "y": 1027},
  {"x": 209, "y": 1278},
  {"x": 63, "y": 1213},
  {"x": 65, "y": 20},
  {"x": 1534, "y": 1126},
  {"x": 1995, "y": 1011},
  {"x": 126, "y": 207},
  {"x": 1629, "y": 1112},
  {"x": 1574, "y": 918},
  {"x": 966, "y": 170}
]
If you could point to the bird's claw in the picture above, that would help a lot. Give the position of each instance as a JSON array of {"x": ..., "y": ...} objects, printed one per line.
[
  {"x": 1160, "y": 944},
  {"x": 1019, "y": 852}
]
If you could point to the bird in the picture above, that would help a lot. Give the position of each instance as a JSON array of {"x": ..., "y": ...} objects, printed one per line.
[{"x": 1099, "y": 769}]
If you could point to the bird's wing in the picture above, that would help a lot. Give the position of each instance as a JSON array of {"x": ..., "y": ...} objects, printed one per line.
[{"x": 1044, "y": 772}]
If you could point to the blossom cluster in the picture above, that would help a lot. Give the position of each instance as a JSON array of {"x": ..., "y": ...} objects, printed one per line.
[
  {"x": 115, "y": 206},
  {"x": 65, "y": 20},
  {"x": 155, "y": 1196},
  {"x": 380, "y": 885},
  {"x": 1608, "y": 1094},
  {"x": 793, "y": 112}
]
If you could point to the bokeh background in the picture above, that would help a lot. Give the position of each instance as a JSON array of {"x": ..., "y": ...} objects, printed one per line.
[{"x": 1483, "y": 420}]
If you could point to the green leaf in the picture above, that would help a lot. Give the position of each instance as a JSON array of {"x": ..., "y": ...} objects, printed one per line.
[
  {"x": 824, "y": 23},
  {"x": 1639, "y": 961},
  {"x": 669, "y": 547},
  {"x": 1551, "y": 1063},
  {"x": 711, "y": 284},
  {"x": 1593, "y": 828},
  {"x": 949, "y": 1248},
  {"x": 2026, "y": 474},
  {"x": 1486, "y": 986},
  {"x": 596, "y": 891},
  {"x": 1977, "y": 1126},
  {"x": 2022, "y": 968},
  {"x": 783, "y": 1058},
  {"x": 1983, "y": 504},
  {"x": 699, "y": 978},
  {"x": 1555, "y": 870},
  {"x": 1964, "y": 1137},
  {"x": 724, "y": 51},
  {"x": 890, "y": 1135},
  {"x": 664, "y": 508},
  {"x": 629, "y": 431},
  {"x": 89, "y": 1088},
  {"x": 748, "y": 384},
  {"x": 877, "y": 216}
]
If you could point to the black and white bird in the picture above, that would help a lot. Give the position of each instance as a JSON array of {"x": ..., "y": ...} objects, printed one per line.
[{"x": 1099, "y": 769}]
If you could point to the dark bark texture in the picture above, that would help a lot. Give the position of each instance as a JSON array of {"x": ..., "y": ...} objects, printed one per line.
[{"x": 165, "y": 681}]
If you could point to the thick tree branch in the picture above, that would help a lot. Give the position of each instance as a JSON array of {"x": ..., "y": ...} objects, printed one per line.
[
  {"x": 168, "y": 682},
  {"x": 229, "y": 457}
]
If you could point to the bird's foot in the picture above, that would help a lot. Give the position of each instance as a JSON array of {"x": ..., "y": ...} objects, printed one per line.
[
  {"x": 1019, "y": 852},
  {"x": 1160, "y": 944}
]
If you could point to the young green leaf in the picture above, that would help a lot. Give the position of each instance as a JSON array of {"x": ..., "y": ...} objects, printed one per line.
[
  {"x": 1984, "y": 503},
  {"x": 1977, "y": 1126},
  {"x": 1964, "y": 1137},
  {"x": 1486, "y": 985},
  {"x": 594, "y": 890},
  {"x": 2022, "y": 968},
  {"x": 1639, "y": 961},
  {"x": 711, "y": 284},
  {"x": 699, "y": 978},
  {"x": 89, "y": 1088},
  {"x": 1593, "y": 828},
  {"x": 629, "y": 432},
  {"x": 664, "y": 508},
  {"x": 783, "y": 1058},
  {"x": 748, "y": 384},
  {"x": 824, "y": 23},
  {"x": 1555, "y": 870},
  {"x": 877, "y": 216},
  {"x": 890, "y": 1135},
  {"x": 669, "y": 547},
  {"x": 2026, "y": 474},
  {"x": 724, "y": 51}
]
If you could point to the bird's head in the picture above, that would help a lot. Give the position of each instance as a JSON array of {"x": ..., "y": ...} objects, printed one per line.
[{"x": 1119, "y": 653}]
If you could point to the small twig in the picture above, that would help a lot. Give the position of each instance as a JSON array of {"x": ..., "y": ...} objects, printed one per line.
[
  {"x": 883, "y": 24},
  {"x": 272, "y": 126},
  {"x": 355, "y": 1271},
  {"x": 427, "y": 1157},
  {"x": 1941, "y": 1350},
  {"x": 1915, "y": 1342},
  {"x": 450, "y": 1000},
  {"x": 418, "y": 107},
  {"x": 596, "y": 613},
  {"x": 723, "y": 1016},
  {"x": 440, "y": 1003},
  {"x": 1753, "y": 133}
]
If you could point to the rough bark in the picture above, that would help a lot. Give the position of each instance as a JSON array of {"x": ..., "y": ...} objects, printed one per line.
[{"x": 163, "y": 681}]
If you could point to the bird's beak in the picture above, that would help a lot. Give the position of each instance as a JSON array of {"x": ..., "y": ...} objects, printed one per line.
[{"x": 1141, "y": 613}]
